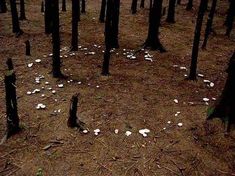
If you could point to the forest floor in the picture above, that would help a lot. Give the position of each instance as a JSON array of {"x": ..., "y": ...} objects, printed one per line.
[{"x": 138, "y": 94}]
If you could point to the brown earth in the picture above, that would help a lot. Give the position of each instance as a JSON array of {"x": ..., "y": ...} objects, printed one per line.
[{"x": 138, "y": 94}]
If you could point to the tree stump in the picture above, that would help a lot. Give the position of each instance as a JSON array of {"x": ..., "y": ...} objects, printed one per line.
[
  {"x": 73, "y": 120},
  {"x": 11, "y": 101}
]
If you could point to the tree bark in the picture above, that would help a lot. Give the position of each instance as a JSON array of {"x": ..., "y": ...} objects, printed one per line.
[
  {"x": 42, "y": 7},
  {"x": 11, "y": 101},
  {"x": 230, "y": 17},
  {"x": 171, "y": 12},
  {"x": 189, "y": 5},
  {"x": 75, "y": 15},
  {"x": 3, "y": 6},
  {"x": 197, "y": 34},
  {"x": 102, "y": 11},
  {"x": 209, "y": 23},
  {"x": 83, "y": 6},
  {"x": 56, "y": 39},
  {"x": 48, "y": 16},
  {"x": 108, "y": 37},
  {"x": 115, "y": 24},
  {"x": 153, "y": 41},
  {"x": 224, "y": 107},
  {"x": 134, "y": 6},
  {"x": 64, "y": 5},
  {"x": 142, "y": 3},
  {"x": 15, "y": 20},
  {"x": 22, "y": 10}
]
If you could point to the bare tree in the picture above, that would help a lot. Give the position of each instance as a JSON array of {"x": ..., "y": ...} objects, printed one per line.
[
  {"x": 171, "y": 12},
  {"x": 15, "y": 20},
  {"x": 155, "y": 14},
  {"x": 3, "y": 6},
  {"x": 189, "y": 5},
  {"x": 209, "y": 23},
  {"x": 22, "y": 10},
  {"x": 64, "y": 5},
  {"x": 230, "y": 17},
  {"x": 75, "y": 15},
  {"x": 134, "y": 6},
  {"x": 197, "y": 34},
  {"x": 56, "y": 39},
  {"x": 102, "y": 11},
  {"x": 48, "y": 16},
  {"x": 224, "y": 107}
]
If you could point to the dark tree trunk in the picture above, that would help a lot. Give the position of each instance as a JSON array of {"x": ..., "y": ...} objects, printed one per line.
[
  {"x": 115, "y": 24},
  {"x": 178, "y": 2},
  {"x": 150, "y": 4},
  {"x": 209, "y": 23},
  {"x": 73, "y": 119},
  {"x": 155, "y": 14},
  {"x": 56, "y": 39},
  {"x": 75, "y": 15},
  {"x": 79, "y": 11},
  {"x": 230, "y": 17},
  {"x": 11, "y": 101},
  {"x": 22, "y": 10},
  {"x": 42, "y": 7},
  {"x": 197, "y": 34},
  {"x": 102, "y": 11},
  {"x": 224, "y": 107},
  {"x": 3, "y": 6},
  {"x": 142, "y": 4},
  {"x": 27, "y": 48},
  {"x": 15, "y": 20},
  {"x": 83, "y": 6},
  {"x": 134, "y": 6},
  {"x": 48, "y": 16},
  {"x": 189, "y": 5},
  {"x": 108, "y": 37},
  {"x": 171, "y": 12},
  {"x": 64, "y": 5}
]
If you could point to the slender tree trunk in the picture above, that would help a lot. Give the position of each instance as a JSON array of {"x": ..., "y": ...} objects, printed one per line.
[
  {"x": 42, "y": 7},
  {"x": 224, "y": 107},
  {"x": 230, "y": 17},
  {"x": 108, "y": 37},
  {"x": 15, "y": 20},
  {"x": 79, "y": 10},
  {"x": 209, "y": 23},
  {"x": 142, "y": 3},
  {"x": 3, "y": 6},
  {"x": 197, "y": 34},
  {"x": 102, "y": 11},
  {"x": 64, "y": 5},
  {"x": 115, "y": 24},
  {"x": 134, "y": 6},
  {"x": 189, "y": 5},
  {"x": 27, "y": 48},
  {"x": 83, "y": 6},
  {"x": 48, "y": 16},
  {"x": 56, "y": 39},
  {"x": 22, "y": 10},
  {"x": 150, "y": 4},
  {"x": 11, "y": 101},
  {"x": 171, "y": 12},
  {"x": 153, "y": 41},
  {"x": 75, "y": 14}
]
